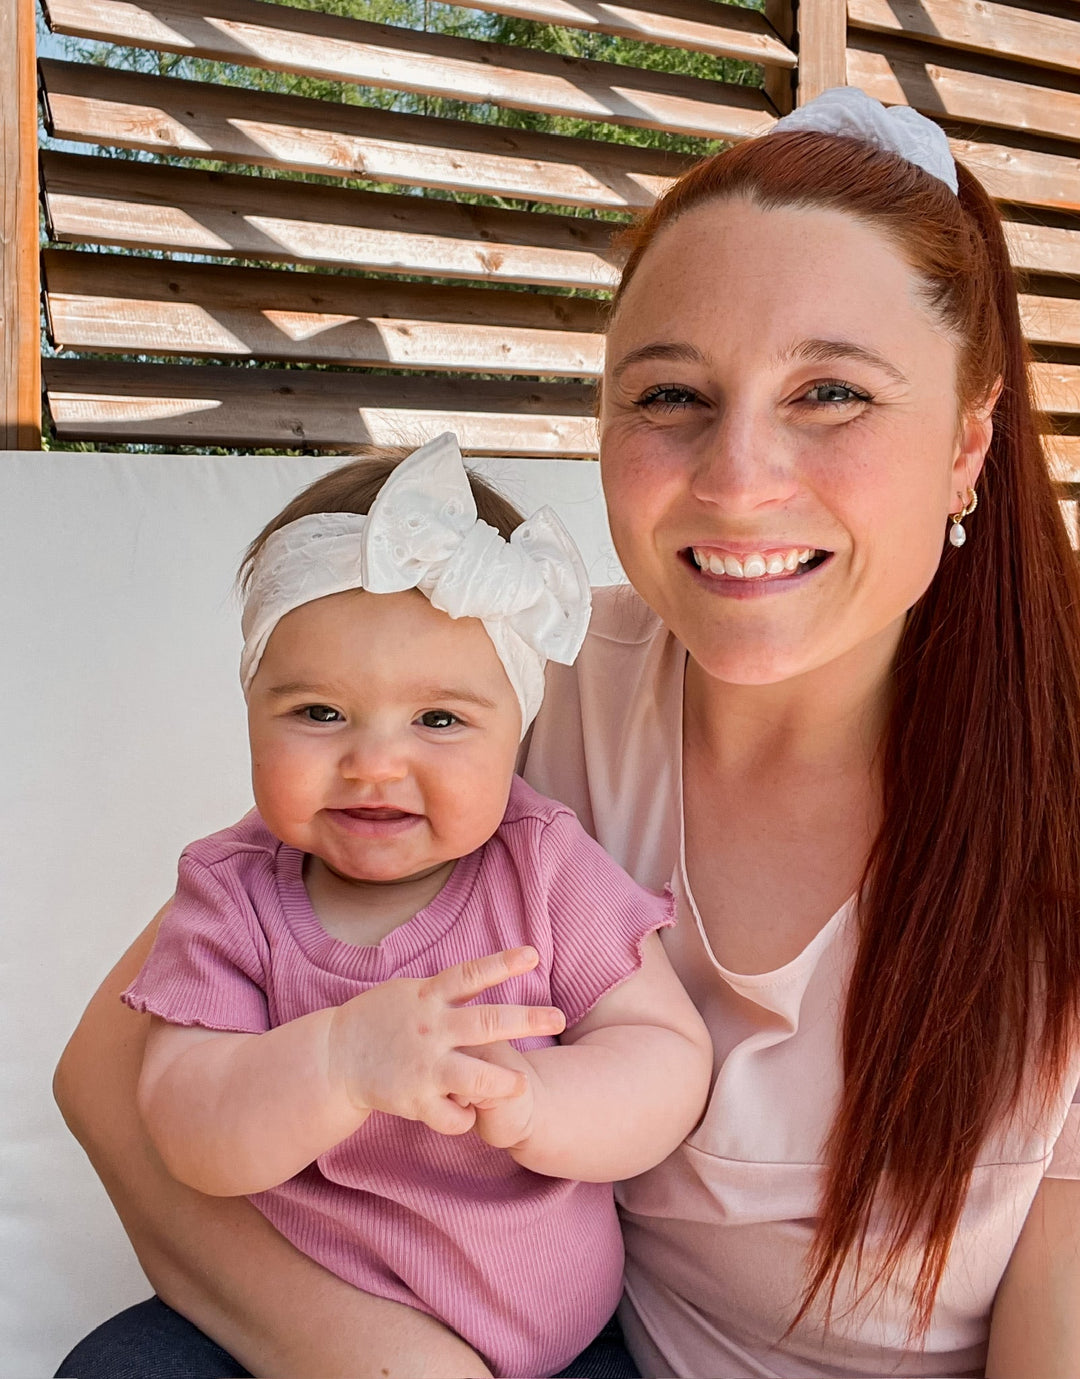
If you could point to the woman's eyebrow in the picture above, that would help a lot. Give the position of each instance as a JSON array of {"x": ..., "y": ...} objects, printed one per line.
[
  {"x": 677, "y": 352},
  {"x": 825, "y": 351}
]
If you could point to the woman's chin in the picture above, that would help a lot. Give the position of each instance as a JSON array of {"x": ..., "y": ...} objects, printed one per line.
[{"x": 750, "y": 665}]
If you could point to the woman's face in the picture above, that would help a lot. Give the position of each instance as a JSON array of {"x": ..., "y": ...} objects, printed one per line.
[{"x": 781, "y": 439}]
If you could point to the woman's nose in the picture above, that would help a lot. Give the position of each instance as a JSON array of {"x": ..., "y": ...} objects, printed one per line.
[{"x": 744, "y": 464}]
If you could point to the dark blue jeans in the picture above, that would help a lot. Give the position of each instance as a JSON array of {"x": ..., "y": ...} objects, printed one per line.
[{"x": 151, "y": 1341}]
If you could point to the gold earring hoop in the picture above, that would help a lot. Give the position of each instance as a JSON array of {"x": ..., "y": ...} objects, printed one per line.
[{"x": 957, "y": 534}]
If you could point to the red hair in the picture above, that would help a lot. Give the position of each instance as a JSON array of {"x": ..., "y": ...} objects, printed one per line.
[{"x": 965, "y": 992}]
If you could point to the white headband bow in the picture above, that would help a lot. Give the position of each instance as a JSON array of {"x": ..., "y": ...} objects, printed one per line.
[
  {"x": 897, "y": 129},
  {"x": 422, "y": 532}
]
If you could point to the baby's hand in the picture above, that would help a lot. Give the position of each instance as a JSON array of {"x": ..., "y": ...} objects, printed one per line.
[
  {"x": 506, "y": 1122},
  {"x": 413, "y": 1048}
]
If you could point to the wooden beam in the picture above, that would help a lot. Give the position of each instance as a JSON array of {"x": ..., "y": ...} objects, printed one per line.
[
  {"x": 1021, "y": 175},
  {"x": 1051, "y": 320},
  {"x": 902, "y": 74},
  {"x": 977, "y": 26},
  {"x": 20, "y": 329},
  {"x": 1043, "y": 248},
  {"x": 1056, "y": 388},
  {"x": 140, "y": 205},
  {"x": 167, "y": 116},
  {"x": 98, "y": 105},
  {"x": 701, "y": 26},
  {"x": 121, "y": 305},
  {"x": 822, "y": 40},
  {"x": 174, "y": 404},
  {"x": 1063, "y": 457},
  {"x": 308, "y": 43},
  {"x": 781, "y": 84}
]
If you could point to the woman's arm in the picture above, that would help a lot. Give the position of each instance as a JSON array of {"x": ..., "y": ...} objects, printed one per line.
[
  {"x": 622, "y": 1089},
  {"x": 217, "y": 1260},
  {"x": 1035, "y": 1327}
]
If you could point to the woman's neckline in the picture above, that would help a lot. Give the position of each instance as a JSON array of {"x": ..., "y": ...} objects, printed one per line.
[{"x": 807, "y": 956}]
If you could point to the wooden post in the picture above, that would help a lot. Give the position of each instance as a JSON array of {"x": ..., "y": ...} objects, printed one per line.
[
  {"x": 822, "y": 33},
  {"x": 780, "y": 82},
  {"x": 20, "y": 330}
]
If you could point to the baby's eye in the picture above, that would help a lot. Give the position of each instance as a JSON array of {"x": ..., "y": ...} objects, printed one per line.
[
  {"x": 833, "y": 393},
  {"x": 320, "y": 713},
  {"x": 438, "y": 718},
  {"x": 667, "y": 397}
]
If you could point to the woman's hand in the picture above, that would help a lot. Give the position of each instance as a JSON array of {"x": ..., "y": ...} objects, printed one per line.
[{"x": 415, "y": 1048}]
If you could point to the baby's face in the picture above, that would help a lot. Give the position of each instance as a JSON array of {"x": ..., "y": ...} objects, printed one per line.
[{"x": 383, "y": 734}]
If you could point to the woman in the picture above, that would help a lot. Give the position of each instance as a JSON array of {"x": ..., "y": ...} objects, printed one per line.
[{"x": 852, "y": 743}]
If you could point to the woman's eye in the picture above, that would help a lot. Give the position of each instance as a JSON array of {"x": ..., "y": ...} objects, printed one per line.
[
  {"x": 834, "y": 394},
  {"x": 320, "y": 713},
  {"x": 438, "y": 718},
  {"x": 668, "y": 397}
]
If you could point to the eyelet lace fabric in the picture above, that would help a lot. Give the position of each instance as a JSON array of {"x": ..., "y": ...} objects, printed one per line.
[
  {"x": 531, "y": 592},
  {"x": 847, "y": 111}
]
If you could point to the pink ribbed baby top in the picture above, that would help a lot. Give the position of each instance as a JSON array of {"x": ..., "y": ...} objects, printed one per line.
[{"x": 526, "y": 1268}]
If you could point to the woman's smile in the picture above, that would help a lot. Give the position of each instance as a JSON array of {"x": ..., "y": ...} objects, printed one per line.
[{"x": 768, "y": 569}]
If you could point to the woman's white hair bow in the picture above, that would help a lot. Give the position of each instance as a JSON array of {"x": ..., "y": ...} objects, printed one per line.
[{"x": 422, "y": 532}]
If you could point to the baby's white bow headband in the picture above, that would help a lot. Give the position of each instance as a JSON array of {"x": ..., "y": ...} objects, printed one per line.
[
  {"x": 422, "y": 532},
  {"x": 897, "y": 129}
]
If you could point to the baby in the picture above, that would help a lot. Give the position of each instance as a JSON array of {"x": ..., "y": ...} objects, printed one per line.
[{"x": 407, "y": 1004}]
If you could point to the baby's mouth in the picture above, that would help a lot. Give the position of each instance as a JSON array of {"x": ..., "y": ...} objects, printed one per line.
[
  {"x": 773, "y": 563},
  {"x": 376, "y": 813}
]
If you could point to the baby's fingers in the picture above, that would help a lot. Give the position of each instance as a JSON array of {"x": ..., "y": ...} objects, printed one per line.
[
  {"x": 456, "y": 985},
  {"x": 447, "y": 1116},
  {"x": 487, "y": 1024},
  {"x": 473, "y": 1081}
]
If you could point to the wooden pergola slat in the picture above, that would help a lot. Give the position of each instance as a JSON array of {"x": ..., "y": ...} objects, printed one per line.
[
  {"x": 1051, "y": 320},
  {"x": 703, "y": 26},
  {"x": 1045, "y": 249},
  {"x": 20, "y": 340},
  {"x": 168, "y": 116},
  {"x": 1063, "y": 456},
  {"x": 977, "y": 26},
  {"x": 906, "y": 74},
  {"x": 136, "y": 205},
  {"x": 122, "y": 305},
  {"x": 307, "y": 43},
  {"x": 99, "y": 105},
  {"x": 1057, "y": 388},
  {"x": 115, "y": 304},
  {"x": 174, "y": 404}
]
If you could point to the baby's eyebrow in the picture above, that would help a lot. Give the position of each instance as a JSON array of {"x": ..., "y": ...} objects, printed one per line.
[
  {"x": 444, "y": 693},
  {"x": 297, "y": 687}
]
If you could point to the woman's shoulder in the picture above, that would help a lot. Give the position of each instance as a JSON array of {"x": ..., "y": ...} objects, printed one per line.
[
  {"x": 607, "y": 739},
  {"x": 620, "y": 617}
]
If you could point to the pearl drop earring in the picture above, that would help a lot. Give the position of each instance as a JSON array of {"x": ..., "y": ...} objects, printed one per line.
[{"x": 957, "y": 534}]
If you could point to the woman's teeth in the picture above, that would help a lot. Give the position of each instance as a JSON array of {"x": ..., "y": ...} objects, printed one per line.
[{"x": 753, "y": 566}]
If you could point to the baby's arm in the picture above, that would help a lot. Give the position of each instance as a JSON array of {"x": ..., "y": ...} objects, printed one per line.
[
  {"x": 622, "y": 1089},
  {"x": 233, "y": 1114}
]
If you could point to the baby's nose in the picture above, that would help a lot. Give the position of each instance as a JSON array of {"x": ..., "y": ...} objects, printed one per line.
[{"x": 373, "y": 759}]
